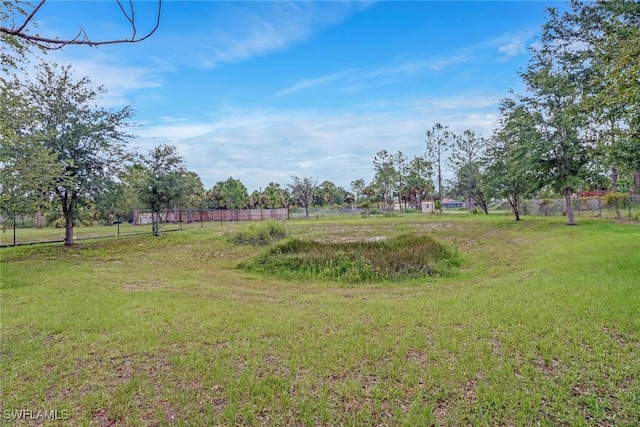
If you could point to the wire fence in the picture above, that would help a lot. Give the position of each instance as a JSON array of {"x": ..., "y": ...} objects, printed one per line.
[
  {"x": 624, "y": 207},
  {"x": 48, "y": 227}
]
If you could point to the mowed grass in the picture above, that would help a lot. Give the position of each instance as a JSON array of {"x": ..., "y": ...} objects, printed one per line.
[{"x": 541, "y": 325}]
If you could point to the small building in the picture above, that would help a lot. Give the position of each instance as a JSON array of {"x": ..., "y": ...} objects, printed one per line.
[
  {"x": 428, "y": 206},
  {"x": 452, "y": 204}
]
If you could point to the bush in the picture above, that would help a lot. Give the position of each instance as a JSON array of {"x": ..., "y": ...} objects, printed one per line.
[
  {"x": 404, "y": 257},
  {"x": 259, "y": 233}
]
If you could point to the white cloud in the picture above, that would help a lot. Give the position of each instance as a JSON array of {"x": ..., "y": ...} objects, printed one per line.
[
  {"x": 117, "y": 76},
  {"x": 312, "y": 82},
  {"x": 259, "y": 146},
  {"x": 244, "y": 31},
  {"x": 357, "y": 80},
  {"x": 515, "y": 47},
  {"x": 175, "y": 132}
]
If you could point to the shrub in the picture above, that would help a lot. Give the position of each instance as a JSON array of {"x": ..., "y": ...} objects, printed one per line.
[
  {"x": 404, "y": 257},
  {"x": 259, "y": 233}
]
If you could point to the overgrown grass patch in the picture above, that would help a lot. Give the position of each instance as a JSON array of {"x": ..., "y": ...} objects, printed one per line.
[
  {"x": 259, "y": 233},
  {"x": 398, "y": 258}
]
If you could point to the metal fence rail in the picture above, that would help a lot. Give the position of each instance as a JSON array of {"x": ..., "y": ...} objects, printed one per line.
[
  {"x": 31, "y": 228},
  {"x": 598, "y": 207}
]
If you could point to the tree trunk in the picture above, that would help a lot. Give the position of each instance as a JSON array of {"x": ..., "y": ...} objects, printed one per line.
[
  {"x": 68, "y": 206},
  {"x": 636, "y": 181},
  {"x": 155, "y": 222},
  {"x": 514, "y": 207},
  {"x": 68, "y": 237},
  {"x": 306, "y": 212},
  {"x": 614, "y": 179},
  {"x": 567, "y": 199}
]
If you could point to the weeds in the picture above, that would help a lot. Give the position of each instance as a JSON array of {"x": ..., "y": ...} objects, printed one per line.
[
  {"x": 403, "y": 257},
  {"x": 259, "y": 233}
]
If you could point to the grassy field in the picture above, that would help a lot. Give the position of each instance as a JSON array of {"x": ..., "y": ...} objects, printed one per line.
[
  {"x": 80, "y": 232},
  {"x": 541, "y": 325}
]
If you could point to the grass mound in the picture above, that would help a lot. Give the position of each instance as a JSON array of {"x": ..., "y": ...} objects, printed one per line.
[
  {"x": 259, "y": 233},
  {"x": 403, "y": 257}
]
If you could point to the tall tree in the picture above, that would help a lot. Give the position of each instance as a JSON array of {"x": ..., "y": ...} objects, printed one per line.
[
  {"x": 275, "y": 196},
  {"x": 508, "y": 159},
  {"x": 418, "y": 180},
  {"x": 87, "y": 142},
  {"x": 26, "y": 167},
  {"x": 357, "y": 188},
  {"x": 302, "y": 191},
  {"x": 385, "y": 175},
  {"x": 556, "y": 86},
  {"x": 230, "y": 194},
  {"x": 466, "y": 156},
  {"x": 162, "y": 184},
  {"x": 438, "y": 141},
  {"x": 401, "y": 165},
  {"x": 614, "y": 56}
]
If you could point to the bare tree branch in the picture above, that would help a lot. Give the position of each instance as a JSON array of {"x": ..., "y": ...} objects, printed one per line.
[{"x": 82, "y": 38}]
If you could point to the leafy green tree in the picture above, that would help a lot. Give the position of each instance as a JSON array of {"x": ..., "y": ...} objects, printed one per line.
[
  {"x": 26, "y": 167},
  {"x": 162, "y": 181},
  {"x": 401, "y": 166},
  {"x": 466, "y": 156},
  {"x": 385, "y": 176},
  {"x": 438, "y": 141},
  {"x": 556, "y": 85},
  {"x": 302, "y": 191},
  {"x": 87, "y": 143},
  {"x": 615, "y": 54},
  {"x": 357, "y": 188},
  {"x": 328, "y": 194},
  {"x": 418, "y": 180},
  {"x": 275, "y": 196},
  {"x": 508, "y": 174},
  {"x": 230, "y": 194}
]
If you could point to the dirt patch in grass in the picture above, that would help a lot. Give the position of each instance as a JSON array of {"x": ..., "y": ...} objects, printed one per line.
[{"x": 143, "y": 285}]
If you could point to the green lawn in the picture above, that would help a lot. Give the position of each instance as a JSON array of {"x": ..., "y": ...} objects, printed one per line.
[
  {"x": 80, "y": 232},
  {"x": 540, "y": 326}
]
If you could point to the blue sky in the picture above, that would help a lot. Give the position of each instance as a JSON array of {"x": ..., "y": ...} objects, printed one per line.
[{"x": 264, "y": 90}]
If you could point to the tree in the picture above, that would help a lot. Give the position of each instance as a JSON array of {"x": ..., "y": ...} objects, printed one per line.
[
  {"x": 467, "y": 151},
  {"x": 26, "y": 167},
  {"x": 328, "y": 194},
  {"x": 557, "y": 84},
  {"x": 274, "y": 196},
  {"x": 18, "y": 25},
  {"x": 162, "y": 183},
  {"x": 357, "y": 188},
  {"x": 508, "y": 159},
  {"x": 230, "y": 194},
  {"x": 303, "y": 190},
  {"x": 401, "y": 165},
  {"x": 614, "y": 55},
  {"x": 87, "y": 143},
  {"x": 418, "y": 180},
  {"x": 438, "y": 141},
  {"x": 385, "y": 175}
]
